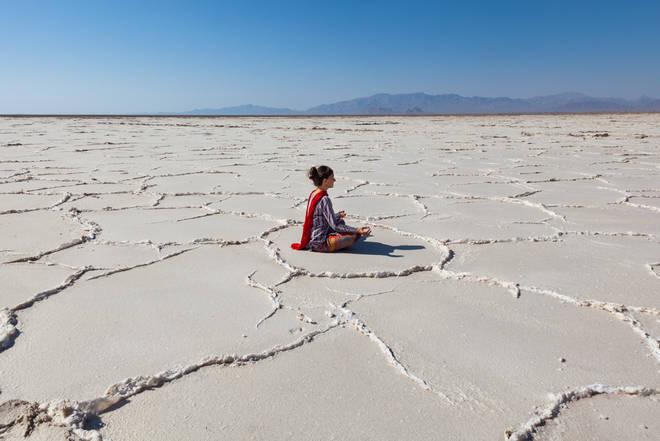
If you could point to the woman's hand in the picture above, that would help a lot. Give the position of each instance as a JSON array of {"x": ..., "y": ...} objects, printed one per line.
[
  {"x": 341, "y": 214},
  {"x": 365, "y": 231}
]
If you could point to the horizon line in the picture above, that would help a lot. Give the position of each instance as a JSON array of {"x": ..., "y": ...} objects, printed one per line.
[{"x": 295, "y": 115}]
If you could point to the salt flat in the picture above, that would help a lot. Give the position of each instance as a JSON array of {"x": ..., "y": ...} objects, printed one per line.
[{"x": 511, "y": 289}]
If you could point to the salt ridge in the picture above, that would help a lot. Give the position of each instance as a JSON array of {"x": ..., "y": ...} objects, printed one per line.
[{"x": 553, "y": 408}]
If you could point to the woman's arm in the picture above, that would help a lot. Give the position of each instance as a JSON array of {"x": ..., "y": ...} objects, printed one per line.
[{"x": 331, "y": 218}]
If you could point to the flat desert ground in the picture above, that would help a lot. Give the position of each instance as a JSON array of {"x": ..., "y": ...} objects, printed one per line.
[{"x": 510, "y": 290}]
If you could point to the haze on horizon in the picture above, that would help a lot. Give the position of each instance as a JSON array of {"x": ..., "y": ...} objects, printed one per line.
[{"x": 82, "y": 57}]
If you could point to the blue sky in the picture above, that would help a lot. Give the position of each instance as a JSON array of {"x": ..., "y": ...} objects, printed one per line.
[{"x": 153, "y": 56}]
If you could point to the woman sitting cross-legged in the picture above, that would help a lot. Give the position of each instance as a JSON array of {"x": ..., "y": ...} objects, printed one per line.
[{"x": 323, "y": 229}]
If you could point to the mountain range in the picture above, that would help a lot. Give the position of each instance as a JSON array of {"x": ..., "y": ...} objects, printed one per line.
[{"x": 422, "y": 103}]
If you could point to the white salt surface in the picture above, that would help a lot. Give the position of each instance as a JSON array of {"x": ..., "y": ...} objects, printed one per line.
[{"x": 510, "y": 289}]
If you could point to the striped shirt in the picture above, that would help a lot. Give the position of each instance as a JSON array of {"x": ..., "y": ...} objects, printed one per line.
[{"x": 326, "y": 222}]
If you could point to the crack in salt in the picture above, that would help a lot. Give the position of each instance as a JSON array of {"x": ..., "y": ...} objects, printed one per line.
[
  {"x": 359, "y": 296},
  {"x": 526, "y": 193},
  {"x": 8, "y": 319},
  {"x": 513, "y": 288},
  {"x": 584, "y": 178},
  {"x": 355, "y": 187},
  {"x": 272, "y": 294},
  {"x": 90, "y": 231},
  {"x": 553, "y": 238},
  {"x": 140, "y": 265},
  {"x": 70, "y": 415},
  {"x": 644, "y": 206},
  {"x": 652, "y": 269},
  {"x": 609, "y": 234},
  {"x": 350, "y": 317},
  {"x": 69, "y": 281},
  {"x": 65, "y": 198},
  {"x": 74, "y": 414},
  {"x": 8, "y": 331},
  {"x": 425, "y": 210},
  {"x": 616, "y": 309},
  {"x": 553, "y": 408},
  {"x": 527, "y": 203}
]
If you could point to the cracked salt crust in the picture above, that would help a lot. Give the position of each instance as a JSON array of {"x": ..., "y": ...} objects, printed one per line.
[
  {"x": 175, "y": 225},
  {"x": 611, "y": 219},
  {"x": 584, "y": 192},
  {"x": 605, "y": 418},
  {"x": 26, "y": 202},
  {"x": 454, "y": 179},
  {"x": 20, "y": 281},
  {"x": 189, "y": 308},
  {"x": 52, "y": 421},
  {"x": 194, "y": 183},
  {"x": 189, "y": 200},
  {"x": 276, "y": 207},
  {"x": 34, "y": 186},
  {"x": 597, "y": 412},
  {"x": 625, "y": 179},
  {"x": 119, "y": 201},
  {"x": 582, "y": 267},
  {"x": 374, "y": 205},
  {"x": 648, "y": 203},
  {"x": 491, "y": 189},
  {"x": 401, "y": 183},
  {"x": 104, "y": 256},
  {"x": 499, "y": 211},
  {"x": 8, "y": 329},
  {"x": 514, "y": 346},
  {"x": 477, "y": 221},
  {"x": 276, "y": 399},
  {"x": 551, "y": 170},
  {"x": 97, "y": 189},
  {"x": 571, "y": 252},
  {"x": 316, "y": 298},
  {"x": 26, "y": 234},
  {"x": 650, "y": 322}
]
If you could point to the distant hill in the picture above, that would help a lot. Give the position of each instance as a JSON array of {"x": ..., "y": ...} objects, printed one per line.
[
  {"x": 422, "y": 103},
  {"x": 246, "y": 109},
  {"x": 647, "y": 103}
]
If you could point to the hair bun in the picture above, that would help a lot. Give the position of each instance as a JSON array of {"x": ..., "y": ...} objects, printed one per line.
[{"x": 318, "y": 174}]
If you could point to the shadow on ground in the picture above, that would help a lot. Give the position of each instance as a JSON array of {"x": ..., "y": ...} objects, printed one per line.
[{"x": 380, "y": 249}]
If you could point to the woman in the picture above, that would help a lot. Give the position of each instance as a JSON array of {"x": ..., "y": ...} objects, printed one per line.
[{"x": 323, "y": 229}]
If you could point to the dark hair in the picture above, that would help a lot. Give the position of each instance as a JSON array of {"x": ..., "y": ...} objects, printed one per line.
[{"x": 318, "y": 174}]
